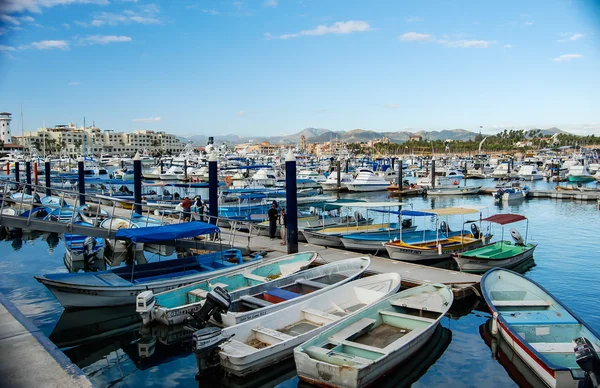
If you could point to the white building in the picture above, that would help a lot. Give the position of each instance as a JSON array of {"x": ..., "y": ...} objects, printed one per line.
[
  {"x": 74, "y": 140},
  {"x": 5, "y": 119}
]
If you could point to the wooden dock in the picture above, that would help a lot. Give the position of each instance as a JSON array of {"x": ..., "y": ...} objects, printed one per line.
[{"x": 554, "y": 194}]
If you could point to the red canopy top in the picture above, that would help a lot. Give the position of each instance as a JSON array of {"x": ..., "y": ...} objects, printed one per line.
[{"x": 504, "y": 219}]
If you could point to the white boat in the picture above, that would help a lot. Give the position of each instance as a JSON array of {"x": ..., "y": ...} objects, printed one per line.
[
  {"x": 312, "y": 175},
  {"x": 367, "y": 180},
  {"x": 530, "y": 172},
  {"x": 155, "y": 173},
  {"x": 503, "y": 171},
  {"x": 172, "y": 307},
  {"x": 92, "y": 214},
  {"x": 173, "y": 173},
  {"x": 445, "y": 186},
  {"x": 514, "y": 193},
  {"x": 541, "y": 330},
  {"x": 579, "y": 173},
  {"x": 266, "y": 340},
  {"x": 331, "y": 184},
  {"x": 264, "y": 177},
  {"x": 363, "y": 348},
  {"x": 117, "y": 249}
]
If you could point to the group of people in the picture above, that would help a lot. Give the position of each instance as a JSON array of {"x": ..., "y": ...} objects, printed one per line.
[
  {"x": 277, "y": 217},
  {"x": 198, "y": 203}
]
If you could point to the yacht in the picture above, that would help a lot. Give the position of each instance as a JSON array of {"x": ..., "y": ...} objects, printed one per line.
[
  {"x": 367, "y": 180},
  {"x": 265, "y": 177},
  {"x": 313, "y": 175},
  {"x": 579, "y": 173},
  {"x": 530, "y": 172},
  {"x": 173, "y": 173},
  {"x": 330, "y": 183},
  {"x": 503, "y": 171}
]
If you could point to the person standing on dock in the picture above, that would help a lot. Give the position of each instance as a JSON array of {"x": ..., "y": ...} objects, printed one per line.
[
  {"x": 283, "y": 224},
  {"x": 272, "y": 220},
  {"x": 186, "y": 204},
  {"x": 198, "y": 205}
]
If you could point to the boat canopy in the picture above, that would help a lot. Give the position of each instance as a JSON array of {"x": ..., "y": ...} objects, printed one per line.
[
  {"x": 167, "y": 232},
  {"x": 409, "y": 213},
  {"x": 504, "y": 219},
  {"x": 448, "y": 211},
  {"x": 374, "y": 204}
]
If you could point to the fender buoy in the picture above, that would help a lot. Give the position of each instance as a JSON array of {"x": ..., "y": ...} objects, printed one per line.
[
  {"x": 228, "y": 180},
  {"x": 455, "y": 182}
]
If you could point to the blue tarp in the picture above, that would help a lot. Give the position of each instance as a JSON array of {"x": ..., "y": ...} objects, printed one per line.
[
  {"x": 168, "y": 232},
  {"x": 409, "y": 213}
]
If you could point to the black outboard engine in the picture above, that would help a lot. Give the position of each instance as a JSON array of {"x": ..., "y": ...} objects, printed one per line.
[
  {"x": 89, "y": 244},
  {"x": 217, "y": 302},
  {"x": 36, "y": 198},
  {"x": 588, "y": 360},
  {"x": 206, "y": 345},
  {"x": 498, "y": 194},
  {"x": 444, "y": 228},
  {"x": 475, "y": 230},
  {"x": 406, "y": 223}
]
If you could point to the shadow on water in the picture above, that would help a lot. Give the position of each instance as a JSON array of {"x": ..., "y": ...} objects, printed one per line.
[{"x": 512, "y": 363}]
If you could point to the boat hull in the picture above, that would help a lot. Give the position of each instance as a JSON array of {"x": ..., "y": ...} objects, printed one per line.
[
  {"x": 366, "y": 188},
  {"x": 405, "y": 253},
  {"x": 322, "y": 239},
  {"x": 584, "y": 178},
  {"x": 480, "y": 264}
]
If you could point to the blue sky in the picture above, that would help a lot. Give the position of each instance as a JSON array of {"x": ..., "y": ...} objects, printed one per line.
[{"x": 275, "y": 67}]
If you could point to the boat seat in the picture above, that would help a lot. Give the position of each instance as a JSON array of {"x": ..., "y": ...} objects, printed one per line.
[
  {"x": 167, "y": 276},
  {"x": 113, "y": 279},
  {"x": 553, "y": 347},
  {"x": 270, "y": 336},
  {"x": 282, "y": 294},
  {"x": 360, "y": 346},
  {"x": 406, "y": 316},
  {"x": 336, "y": 357},
  {"x": 255, "y": 301},
  {"x": 311, "y": 283},
  {"x": 522, "y": 303},
  {"x": 251, "y": 276},
  {"x": 355, "y": 328},
  {"x": 201, "y": 294},
  {"x": 541, "y": 318},
  {"x": 319, "y": 316},
  {"x": 403, "y": 303}
]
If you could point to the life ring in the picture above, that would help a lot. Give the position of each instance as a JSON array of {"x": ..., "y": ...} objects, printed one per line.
[{"x": 228, "y": 180}]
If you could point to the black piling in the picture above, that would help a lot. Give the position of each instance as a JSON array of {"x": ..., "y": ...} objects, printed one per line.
[
  {"x": 81, "y": 179},
  {"x": 213, "y": 188},
  {"x": 47, "y": 170},
  {"x": 292, "y": 202},
  {"x": 28, "y": 176},
  {"x": 137, "y": 183}
]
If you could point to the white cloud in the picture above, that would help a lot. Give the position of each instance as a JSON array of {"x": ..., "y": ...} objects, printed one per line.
[
  {"x": 240, "y": 113},
  {"x": 414, "y": 19},
  {"x": 270, "y": 3},
  {"x": 10, "y": 20},
  {"x": 339, "y": 28},
  {"x": 147, "y": 120},
  {"x": 13, "y": 6},
  {"x": 460, "y": 43},
  {"x": 529, "y": 23},
  {"x": 567, "y": 57},
  {"x": 391, "y": 106},
  {"x": 6, "y": 48},
  {"x": 27, "y": 19},
  {"x": 146, "y": 14},
  {"x": 144, "y": 20},
  {"x": 104, "y": 39},
  {"x": 508, "y": 46},
  {"x": 73, "y": 83},
  {"x": 571, "y": 37},
  {"x": 67, "y": 26},
  {"x": 50, "y": 45},
  {"x": 415, "y": 37}
]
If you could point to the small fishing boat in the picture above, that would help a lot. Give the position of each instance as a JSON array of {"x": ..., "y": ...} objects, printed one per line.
[
  {"x": 22, "y": 198},
  {"x": 37, "y": 212},
  {"x": 579, "y": 173},
  {"x": 544, "y": 333},
  {"x": 331, "y": 236},
  {"x": 92, "y": 214},
  {"x": 174, "y": 306},
  {"x": 264, "y": 341},
  {"x": 52, "y": 201},
  {"x": 512, "y": 191},
  {"x": 83, "y": 248},
  {"x": 357, "y": 351},
  {"x": 64, "y": 215},
  {"x": 501, "y": 254},
  {"x": 120, "y": 286}
]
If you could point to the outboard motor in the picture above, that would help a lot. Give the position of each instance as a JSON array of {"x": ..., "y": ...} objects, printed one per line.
[
  {"x": 444, "y": 228},
  {"x": 475, "y": 230},
  {"x": 217, "y": 301},
  {"x": 406, "y": 223},
  {"x": 36, "y": 198},
  {"x": 588, "y": 361},
  {"x": 89, "y": 244},
  {"x": 206, "y": 345},
  {"x": 144, "y": 305},
  {"x": 498, "y": 194},
  {"x": 517, "y": 237}
]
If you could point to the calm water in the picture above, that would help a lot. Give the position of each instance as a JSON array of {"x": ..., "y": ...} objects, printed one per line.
[{"x": 105, "y": 343}]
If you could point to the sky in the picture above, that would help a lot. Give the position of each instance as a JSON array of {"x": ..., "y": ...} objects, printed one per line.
[{"x": 274, "y": 67}]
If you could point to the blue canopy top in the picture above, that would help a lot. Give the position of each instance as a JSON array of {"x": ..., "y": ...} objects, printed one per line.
[
  {"x": 409, "y": 213},
  {"x": 167, "y": 232}
]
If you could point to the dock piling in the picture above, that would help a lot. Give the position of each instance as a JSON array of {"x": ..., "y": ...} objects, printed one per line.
[
  {"x": 137, "y": 183},
  {"x": 339, "y": 173},
  {"x": 47, "y": 176},
  {"x": 432, "y": 173},
  {"x": 213, "y": 188},
  {"x": 35, "y": 173},
  {"x": 291, "y": 197},
  {"x": 81, "y": 180},
  {"x": 17, "y": 172},
  {"x": 28, "y": 176}
]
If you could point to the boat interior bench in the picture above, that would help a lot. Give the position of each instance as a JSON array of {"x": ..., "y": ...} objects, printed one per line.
[
  {"x": 311, "y": 283},
  {"x": 166, "y": 276},
  {"x": 318, "y": 316},
  {"x": 537, "y": 318},
  {"x": 282, "y": 294},
  {"x": 353, "y": 330},
  {"x": 252, "y": 276},
  {"x": 553, "y": 347},
  {"x": 248, "y": 299},
  {"x": 522, "y": 303},
  {"x": 270, "y": 336},
  {"x": 113, "y": 279}
]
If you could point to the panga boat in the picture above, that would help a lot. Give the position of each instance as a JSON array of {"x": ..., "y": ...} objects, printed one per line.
[
  {"x": 174, "y": 306},
  {"x": 501, "y": 254},
  {"x": 545, "y": 334},
  {"x": 443, "y": 246},
  {"x": 266, "y": 340},
  {"x": 83, "y": 248},
  {"x": 120, "y": 286},
  {"x": 92, "y": 213},
  {"x": 359, "y": 350}
]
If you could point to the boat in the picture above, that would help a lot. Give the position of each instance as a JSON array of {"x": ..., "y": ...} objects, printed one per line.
[
  {"x": 22, "y": 198},
  {"x": 173, "y": 173},
  {"x": 530, "y": 172},
  {"x": 443, "y": 245},
  {"x": 81, "y": 248},
  {"x": 52, "y": 201},
  {"x": 543, "y": 332},
  {"x": 367, "y": 180},
  {"x": 264, "y": 341},
  {"x": 37, "y": 212},
  {"x": 120, "y": 286},
  {"x": 92, "y": 214},
  {"x": 359, "y": 350},
  {"x": 502, "y": 171},
  {"x": 452, "y": 187},
  {"x": 501, "y": 254},
  {"x": 9, "y": 211},
  {"x": 579, "y": 173},
  {"x": 265, "y": 177},
  {"x": 65, "y": 215},
  {"x": 514, "y": 193},
  {"x": 172, "y": 307},
  {"x": 331, "y": 183}
]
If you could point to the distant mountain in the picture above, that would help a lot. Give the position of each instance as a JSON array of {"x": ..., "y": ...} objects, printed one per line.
[{"x": 320, "y": 135}]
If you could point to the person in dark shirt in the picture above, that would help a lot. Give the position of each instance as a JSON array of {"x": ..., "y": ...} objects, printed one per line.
[
  {"x": 273, "y": 215},
  {"x": 186, "y": 204}
]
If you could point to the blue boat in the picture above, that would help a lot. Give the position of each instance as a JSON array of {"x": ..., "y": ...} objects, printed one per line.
[
  {"x": 374, "y": 241},
  {"x": 120, "y": 286},
  {"x": 83, "y": 248},
  {"x": 63, "y": 215},
  {"x": 544, "y": 333},
  {"x": 37, "y": 212}
]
